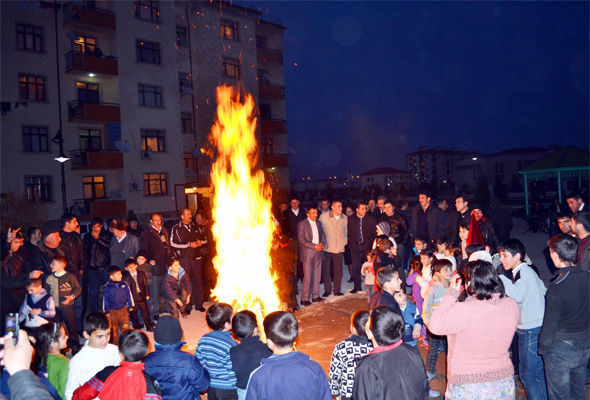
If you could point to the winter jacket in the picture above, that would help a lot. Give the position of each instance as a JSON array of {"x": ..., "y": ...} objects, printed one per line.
[
  {"x": 529, "y": 293},
  {"x": 172, "y": 287},
  {"x": 412, "y": 317},
  {"x": 246, "y": 357},
  {"x": 343, "y": 364},
  {"x": 397, "y": 226},
  {"x": 142, "y": 282},
  {"x": 157, "y": 246},
  {"x": 121, "y": 251},
  {"x": 180, "y": 237},
  {"x": 116, "y": 296},
  {"x": 61, "y": 286},
  {"x": 382, "y": 298},
  {"x": 97, "y": 250},
  {"x": 25, "y": 385},
  {"x": 71, "y": 245},
  {"x": 434, "y": 221},
  {"x": 179, "y": 374}
]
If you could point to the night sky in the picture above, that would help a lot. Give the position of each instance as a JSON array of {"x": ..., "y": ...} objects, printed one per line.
[{"x": 368, "y": 82}]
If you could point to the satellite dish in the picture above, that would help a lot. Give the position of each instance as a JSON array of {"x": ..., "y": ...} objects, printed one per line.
[
  {"x": 72, "y": 35},
  {"x": 122, "y": 146}
]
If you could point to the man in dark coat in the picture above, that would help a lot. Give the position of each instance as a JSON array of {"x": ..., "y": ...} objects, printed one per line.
[
  {"x": 460, "y": 218},
  {"x": 98, "y": 259},
  {"x": 427, "y": 220},
  {"x": 290, "y": 218},
  {"x": 361, "y": 234}
]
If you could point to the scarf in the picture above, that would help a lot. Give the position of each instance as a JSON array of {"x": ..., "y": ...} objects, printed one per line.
[{"x": 125, "y": 383}]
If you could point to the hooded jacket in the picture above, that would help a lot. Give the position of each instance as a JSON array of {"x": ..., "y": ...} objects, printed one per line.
[{"x": 172, "y": 286}]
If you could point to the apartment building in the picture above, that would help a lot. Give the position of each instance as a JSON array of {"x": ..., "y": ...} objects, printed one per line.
[
  {"x": 436, "y": 165},
  {"x": 386, "y": 178},
  {"x": 125, "y": 90}
]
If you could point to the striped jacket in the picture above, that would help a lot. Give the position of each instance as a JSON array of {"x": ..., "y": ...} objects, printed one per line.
[{"x": 213, "y": 354}]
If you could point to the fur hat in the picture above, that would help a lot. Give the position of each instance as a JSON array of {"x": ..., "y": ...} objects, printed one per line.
[{"x": 168, "y": 330}]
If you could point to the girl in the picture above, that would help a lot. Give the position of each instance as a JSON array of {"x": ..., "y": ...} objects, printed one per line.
[
  {"x": 368, "y": 272},
  {"x": 426, "y": 258},
  {"x": 412, "y": 280},
  {"x": 51, "y": 339}
]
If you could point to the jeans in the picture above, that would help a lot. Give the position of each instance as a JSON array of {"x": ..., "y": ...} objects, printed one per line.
[
  {"x": 97, "y": 277},
  {"x": 531, "y": 370},
  {"x": 221, "y": 394},
  {"x": 155, "y": 295},
  {"x": 565, "y": 367}
]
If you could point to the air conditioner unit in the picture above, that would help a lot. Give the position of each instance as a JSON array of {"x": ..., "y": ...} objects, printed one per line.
[
  {"x": 134, "y": 187},
  {"x": 146, "y": 155}
]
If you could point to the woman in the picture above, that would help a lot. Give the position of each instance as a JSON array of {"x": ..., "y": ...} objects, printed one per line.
[{"x": 479, "y": 332}]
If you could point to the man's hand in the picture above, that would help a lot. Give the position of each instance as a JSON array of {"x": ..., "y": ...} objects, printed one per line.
[
  {"x": 35, "y": 274},
  {"x": 147, "y": 297},
  {"x": 179, "y": 302},
  {"x": 153, "y": 262},
  {"x": 17, "y": 357},
  {"x": 188, "y": 299},
  {"x": 35, "y": 311},
  {"x": 416, "y": 331},
  {"x": 11, "y": 234},
  {"x": 319, "y": 247},
  {"x": 193, "y": 245},
  {"x": 131, "y": 309},
  {"x": 68, "y": 300},
  {"x": 455, "y": 283}
]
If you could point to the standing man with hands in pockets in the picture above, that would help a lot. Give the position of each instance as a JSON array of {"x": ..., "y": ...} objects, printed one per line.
[{"x": 311, "y": 241}]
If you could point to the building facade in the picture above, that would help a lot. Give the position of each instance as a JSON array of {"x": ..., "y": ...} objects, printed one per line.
[
  {"x": 386, "y": 178},
  {"x": 435, "y": 166}
]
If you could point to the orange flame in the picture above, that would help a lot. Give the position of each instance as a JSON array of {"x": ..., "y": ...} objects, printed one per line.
[{"x": 243, "y": 224}]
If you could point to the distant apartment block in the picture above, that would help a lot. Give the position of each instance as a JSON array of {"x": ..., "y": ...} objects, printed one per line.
[{"x": 435, "y": 165}]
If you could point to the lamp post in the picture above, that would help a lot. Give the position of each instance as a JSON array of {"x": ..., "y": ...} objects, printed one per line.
[{"x": 61, "y": 159}]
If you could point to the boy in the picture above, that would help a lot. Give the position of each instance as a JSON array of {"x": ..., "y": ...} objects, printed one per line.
[
  {"x": 176, "y": 287},
  {"x": 117, "y": 297},
  {"x": 140, "y": 292},
  {"x": 246, "y": 356},
  {"x": 38, "y": 308},
  {"x": 179, "y": 374},
  {"x": 127, "y": 380},
  {"x": 64, "y": 288},
  {"x": 412, "y": 318},
  {"x": 389, "y": 282},
  {"x": 95, "y": 355},
  {"x": 287, "y": 374},
  {"x": 213, "y": 352},
  {"x": 345, "y": 355}
]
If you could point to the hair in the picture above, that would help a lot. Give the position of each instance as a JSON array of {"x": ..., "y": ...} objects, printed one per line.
[
  {"x": 574, "y": 195},
  {"x": 513, "y": 246},
  {"x": 281, "y": 327},
  {"x": 360, "y": 203},
  {"x": 60, "y": 259},
  {"x": 95, "y": 221},
  {"x": 35, "y": 282},
  {"x": 358, "y": 320},
  {"x": 67, "y": 217},
  {"x": 133, "y": 220},
  {"x": 381, "y": 197},
  {"x": 441, "y": 240},
  {"x": 243, "y": 324},
  {"x": 46, "y": 335},
  {"x": 416, "y": 265},
  {"x": 428, "y": 252},
  {"x": 133, "y": 345},
  {"x": 172, "y": 261},
  {"x": 113, "y": 269},
  {"x": 386, "y": 325},
  {"x": 462, "y": 196},
  {"x": 439, "y": 265},
  {"x": 182, "y": 210},
  {"x": 464, "y": 225},
  {"x": 566, "y": 248},
  {"x": 335, "y": 201},
  {"x": 483, "y": 280},
  {"x": 564, "y": 215},
  {"x": 119, "y": 224},
  {"x": 154, "y": 214},
  {"x": 130, "y": 261},
  {"x": 384, "y": 243},
  {"x": 472, "y": 248},
  {"x": 217, "y": 315},
  {"x": 96, "y": 320},
  {"x": 421, "y": 239},
  {"x": 385, "y": 274},
  {"x": 311, "y": 208},
  {"x": 582, "y": 218},
  {"x": 31, "y": 231}
]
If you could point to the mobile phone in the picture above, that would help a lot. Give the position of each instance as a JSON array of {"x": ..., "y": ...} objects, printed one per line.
[{"x": 11, "y": 326}]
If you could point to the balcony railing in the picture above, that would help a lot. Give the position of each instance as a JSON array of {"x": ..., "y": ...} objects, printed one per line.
[
  {"x": 96, "y": 159},
  {"x": 89, "y": 16},
  {"x": 99, "y": 208},
  {"x": 268, "y": 56},
  {"x": 273, "y": 127},
  {"x": 270, "y": 91},
  {"x": 95, "y": 112},
  {"x": 275, "y": 160},
  {"x": 84, "y": 62}
]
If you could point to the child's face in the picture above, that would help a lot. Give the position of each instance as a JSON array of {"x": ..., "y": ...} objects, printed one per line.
[
  {"x": 419, "y": 245},
  {"x": 62, "y": 341},
  {"x": 441, "y": 247},
  {"x": 99, "y": 338},
  {"x": 463, "y": 233},
  {"x": 394, "y": 284},
  {"x": 57, "y": 266},
  {"x": 34, "y": 289},
  {"x": 141, "y": 260},
  {"x": 425, "y": 260},
  {"x": 369, "y": 257},
  {"x": 400, "y": 297},
  {"x": 448, "y": 252},
  {"x": 446, "y": 273},
  {"x": 131, "y": 268},
  {"x": 116, "y": 277},
  {"x": 175, "y": 267}
]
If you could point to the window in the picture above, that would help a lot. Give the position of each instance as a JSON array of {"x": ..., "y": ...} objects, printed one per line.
[
  {"x": 87, "y": 92},
  {"x": 147, "y": 52},
  {"x": 184, "y": 82},
  {"x": 186, "y": 122},
  {"x": 229, "y": 29},
  {"x": 189, "y": 161},
  {"x": 181, "y": 39},
  {"x": 84, "y": 44},
  {"x": 154, "y": 184},
  {"x": 230, "y": 67},
  {"x": 29, "y": 38},
  {"x": 93, "y": 187},
  {"x": 38, "y": 188},
  {"x": 260, "y": 42},
  {"x": 31, "y": 87},
  {"x": 147, "y": 10},
  {"x": 149, "y": 96},
  {"x": 90, "y": 139},
  {"x": 35, "y": 139},
  {"x": 266, "y": 111},
  {"x": 153, "y": 140}
]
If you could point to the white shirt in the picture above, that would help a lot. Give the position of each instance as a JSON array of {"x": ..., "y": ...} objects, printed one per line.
[
  {"x": 337, "y": 216},
  {"x": 122, "y": 237},
  {"x": 87, "y": 363},
  {"x": 296, "y": 212},
  {"x": 515, "y": 270},
  {"x": 315, "y": 235}
]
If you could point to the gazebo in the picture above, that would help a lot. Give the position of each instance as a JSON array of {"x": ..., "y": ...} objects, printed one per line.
[{"x": 567, "y": 162}]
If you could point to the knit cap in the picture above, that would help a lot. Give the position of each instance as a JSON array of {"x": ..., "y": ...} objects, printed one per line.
[
  {"x": 168, "y": 330},
  {"x": 383, "y": 227}
]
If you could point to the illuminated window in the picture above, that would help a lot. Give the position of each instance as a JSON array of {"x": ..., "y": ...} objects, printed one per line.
[
  {"x": 154, "y": 184},
  {"x": 189, "y": 161},
  {"x": 31, "y": 87},
  {"x": 147, "y": 52},
  {"x": 153, "y": 140},
  {"x": 35, "y": 139},
  {"x": 29, "y": 38},
  {"x": 84, "y": 44},
  {"x": 87, "y": 92},
  {"x": 149, "y": 96},
  {"x": 38, "y": 188},
  {"x": 231, "y": 68},
  {"x": 93, "y": 187},
  {"x": 147, "y": 10},
  {"x": 229, "y": 29}
]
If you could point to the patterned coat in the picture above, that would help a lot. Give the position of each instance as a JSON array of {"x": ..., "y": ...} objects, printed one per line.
[{"x": 343, "y": 364}]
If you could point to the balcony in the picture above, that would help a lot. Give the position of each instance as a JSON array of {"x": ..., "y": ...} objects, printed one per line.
[
  {"x": 275, "y": 160},
  {"x": 94, "y": 112},
  {"x": 77, "y": 15},
  {"x": 87, "y": 63},
  {"x": 101, "y": 159},
  {"x": 99, "y": 208},
  {"x": 273, "y": 127},
  {"x": 270, "y": 91},
  {"x": 269, "y": 56}
]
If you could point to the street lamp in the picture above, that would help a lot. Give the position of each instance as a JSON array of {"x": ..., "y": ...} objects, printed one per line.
[{"x": 58, "y": 139}]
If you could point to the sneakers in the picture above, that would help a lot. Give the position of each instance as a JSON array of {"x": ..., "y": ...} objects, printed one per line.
[{"x": 433, "y": 393}]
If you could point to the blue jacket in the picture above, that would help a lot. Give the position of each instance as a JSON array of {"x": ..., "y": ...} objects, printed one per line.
[
  {"x": 116, "y": 296},
  {"x": 172, "y": 286},
  {"x": 382, "y": 298},
  {"x": 290, "y": 376},
  {"x": 179, "y": 374},
  {"x": 411, "y": 318}
]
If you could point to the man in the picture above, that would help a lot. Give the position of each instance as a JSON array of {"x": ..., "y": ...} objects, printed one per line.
[
  {"x": 201, "y": 260},
  {"x": 123, "y": 245},
  {"x": 361, "y": 233},
  {"x": 529, "y": 293},
  {"x": 311, "y": 241},
  {"x": 575, "y": 202},
  {"x": 155, "y": 241},
  {"x": 426, "y": 218},
  {"x": 564, "y": 222},
  {"x": 461, "y": 218},
  {"x": 564, "y": 341},
  {"x": 324, "y": 206},
  {"x": 372, "y": 210},
  {"x": 98, "y": 259},
  {"x": 31, "y": 247},
  {"x": 335, "y": 228},
  {"x": 580, "y": 224},
  {"x": 48, "y": 249},
  {"x": 184, "y": 242},
  {"x": 398, "y": 229},
  {"x": 291, "y": 218}
]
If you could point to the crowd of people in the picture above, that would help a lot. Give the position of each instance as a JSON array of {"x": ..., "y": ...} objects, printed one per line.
[{"x": 451, "y": 281}]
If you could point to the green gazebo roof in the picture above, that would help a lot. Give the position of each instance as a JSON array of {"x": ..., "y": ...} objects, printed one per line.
[{"x": 565, "y": 158}]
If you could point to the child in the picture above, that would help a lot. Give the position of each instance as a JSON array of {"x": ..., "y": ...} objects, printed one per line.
[
  {"x": 440, "y": 243},
  {"x": 177, "y": 290},
  {"x": 143, "y": 266},
  {"x": 412, "y": 280},
  {"x": 213, "y": 352},
  {"x": 389, "y": 282},
  {"x": 343, "y": 363},
  {"x": 95, "y": 355},
  {"x": 440, "y": 285},
  {"x": 38, "y": 308},
  {"x": 369, "y": 273},
  {"x": 179, "y": 374},
  {"x": 140, "y": 291},
  {"x": 127, "y": 380},
  {"x": 64, "y": 288},
  {"x": 288, "y": 373},
  {"x": 412, "y": 319},
  {"x": 419, "y": 244},
  {"x": 426, "y": 259},
  {"x": 246, "y": 356},
  {"x": 51, "y": 338},
  {"x": 117, "y": 298}
]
